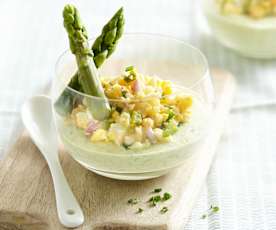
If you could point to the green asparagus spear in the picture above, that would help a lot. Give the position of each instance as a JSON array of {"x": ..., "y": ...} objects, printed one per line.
[
  {"x": 105, "y": 44},
  {"x": 87, "y": 72},
  {"x": 102, "y": 48}
]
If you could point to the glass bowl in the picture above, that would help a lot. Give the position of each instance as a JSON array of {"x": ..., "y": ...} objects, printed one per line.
[
  {"x": 162, "y": 56},
  {"x": 254, "y": 38}
]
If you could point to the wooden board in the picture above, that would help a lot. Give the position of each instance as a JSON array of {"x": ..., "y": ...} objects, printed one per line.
[{"x": 27, "y": 200}]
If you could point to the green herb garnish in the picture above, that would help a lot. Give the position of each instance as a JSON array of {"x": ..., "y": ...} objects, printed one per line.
[
  {"x": 166, "y": 196},
  {"x": 130, "y": 77},
  {"x": 140, "y": 210},
  {"x": 180, "y": 124},
  {"x": 124, "y": 93},
  {"x": 211, "y": 210},
  {"x": 164, "y": 210},
  {"x": 157, "y": 190},
  {"x": 125, "y": 146},
  {"x": 170, "y": 128},
  {"x": 119, "y": 109},
  {"x": 171, "y": 115},
  {"x": 129, "y": 68},
  {"x": 154, "y": 200},
  {"x": 132, "y": 201},
  {"x": 130, "y": 74},
  {"x": 136, "y": 118},
  {"x": 215, "y": 209}
]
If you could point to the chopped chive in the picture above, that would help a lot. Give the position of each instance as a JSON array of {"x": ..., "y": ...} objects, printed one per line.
[
  {"x": 180, "y": 124},
  {"x": 125, "y": 146},
  {"x": 152, "y": 204},
  {"x": 154, "y": 200},
  {"x": 210, "y": 211},
  {"x": 166, "y": 196},
  {"x": 124, "y": 93},
  {"x": 164, "y": 210},
  {"x": 129, "y": 68},
  {"x": 170, "y": 128},
  {"x": 130, "y": 77},
  {"x": 157, "y": 190},
  {"x": 136, "y": 118},
  {"x": 171, "y": 115},
  {"x": 140, "y": 210},
  {"x": 119, "y": 109},
  {"x": 132, "y": 201},
  {"x": 215, "y": 209}
]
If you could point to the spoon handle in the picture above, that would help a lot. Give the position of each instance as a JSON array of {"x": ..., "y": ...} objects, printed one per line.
[{"x": 69, "y": 211}]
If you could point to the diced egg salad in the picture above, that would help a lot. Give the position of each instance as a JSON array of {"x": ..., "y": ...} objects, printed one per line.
[
  {"x": 145, "y": 110},
  {"x": 253, "y": 8}
]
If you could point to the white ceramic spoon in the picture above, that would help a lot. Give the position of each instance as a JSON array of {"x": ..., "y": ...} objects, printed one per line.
[{"x": 38, "y": 119}]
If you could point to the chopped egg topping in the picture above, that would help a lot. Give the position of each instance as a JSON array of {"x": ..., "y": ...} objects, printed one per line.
[
  {"x": 145, "y": 110},
  {"x": 253, "y": 8}
]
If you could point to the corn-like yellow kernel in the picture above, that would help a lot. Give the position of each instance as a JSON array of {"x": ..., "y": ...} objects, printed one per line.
[
  {"x": 230, "y": 8},
  {"x": 147, "y": 122},
  {"x": 159, "y": 83},
  {"x": 257, "y": 11},
  {"x": 152, "y": 111},
  {"x": 143, "y": 107},
  {"x": 267, "y": 4},
  {"x": 147, "y": 80},
  {"x": 158, "y": 119},
  {"x": 156, "y": 108},
  {"x": 116, "y": 91},
  {"x": 183, "y": 103},
  {"x": 154, "y": 101},
  {"x": 148, "y": 90},
  {"x": 130, "y": 106},
  {"x": 166, "y": 87},
  {"x": 105, "y": 83},
  {"x": 165, "y": 116},
  {"x": 168, "y": 100},
  {"x": 111, "y": 135},
  {"x": 151, "y": 81},
  {"x": 115, "y": 115},
  {"x": 99, "y": 135},
  {"x": 180, "y": 117},
  {"x": 274, "y": 10},
  {"x": 149, "y": 111},
  {"x": 121, "y": 81}
]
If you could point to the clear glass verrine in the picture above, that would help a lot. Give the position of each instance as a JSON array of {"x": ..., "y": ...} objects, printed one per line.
[{"x": 152, "y": 55}]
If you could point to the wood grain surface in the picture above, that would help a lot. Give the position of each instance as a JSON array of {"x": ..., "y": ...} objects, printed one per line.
[{"x": 27, "y": 200}]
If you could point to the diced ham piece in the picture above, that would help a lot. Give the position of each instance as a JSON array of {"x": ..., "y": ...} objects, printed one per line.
[{"x": 136, "y": 87}]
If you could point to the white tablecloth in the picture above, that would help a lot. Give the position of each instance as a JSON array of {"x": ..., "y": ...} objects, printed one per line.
[{"x": 242, "y": 181}]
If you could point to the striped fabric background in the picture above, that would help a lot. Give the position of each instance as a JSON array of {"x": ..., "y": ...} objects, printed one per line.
[{"x": 242, "y": 181}]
